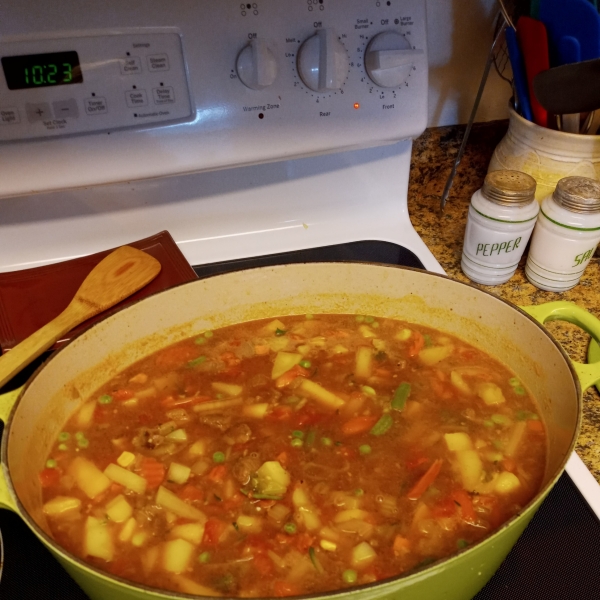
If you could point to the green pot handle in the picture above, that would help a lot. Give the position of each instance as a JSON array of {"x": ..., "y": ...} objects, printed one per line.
[
  {"x": 7, "y": 401},
  {"x": 588, "y": 374}
]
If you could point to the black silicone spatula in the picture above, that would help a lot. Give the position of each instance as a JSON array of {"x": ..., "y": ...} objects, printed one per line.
[{"x": 568, "y": 89}]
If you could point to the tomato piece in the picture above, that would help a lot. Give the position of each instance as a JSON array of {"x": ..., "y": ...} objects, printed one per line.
[
  {"x": 263, "y": 564},
  {"x": 279, "y": 413},
  {"x": 282, "y": 589},
  {"x": 307, "y": 416},
  {"x": 191, "y": 493},
  {"x": 49, "y": 477},
  {"x": 213, "y": 530},
  {"x": 122, "y": 394}
]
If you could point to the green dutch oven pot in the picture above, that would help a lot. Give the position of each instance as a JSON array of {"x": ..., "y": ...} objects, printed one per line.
[{"x": 35, "y": 415}]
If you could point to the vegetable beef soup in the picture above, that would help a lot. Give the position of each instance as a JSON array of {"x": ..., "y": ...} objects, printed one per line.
[{"x": 295, "y": 455}]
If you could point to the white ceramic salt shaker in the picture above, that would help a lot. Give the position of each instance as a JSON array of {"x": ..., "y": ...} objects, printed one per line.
[
  {"x": 501, "y": 218},
  {"x": 566, "y": 235}
]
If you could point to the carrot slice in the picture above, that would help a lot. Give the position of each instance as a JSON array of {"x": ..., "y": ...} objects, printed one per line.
[
  {"x": 426, "y": 480},
  {"x": 535, "y": 426},
  {"x": 153, "y": 471},
  {"x": 217, "y": 474},
  {"x": 418, "y": 343},
  {"x": 49, "y": 477},
  {"x": 401, "y": 545},
  {"x": 462, "y": 498},
  {"x": 191, "y": 492},
  {"x": 289, "y": 376},
  {"x": 358, "y": 425}
]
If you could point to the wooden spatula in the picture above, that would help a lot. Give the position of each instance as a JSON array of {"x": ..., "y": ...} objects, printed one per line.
[{"x": 114, "y": 278}]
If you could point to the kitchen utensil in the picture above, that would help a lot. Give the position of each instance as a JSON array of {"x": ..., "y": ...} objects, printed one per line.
[
  {"x": 21, "y": 314},
  {"x": 519, "y": 76},
  {"x": 120, "y": 274},
  {"x": 568, "y": 89},
  {"x": 569, "y": 51},
  {"x": 594, "y": 126},
  {"x": 515, "y": 338},
  {"x": 575, "y": 18},
  {"x": 533, "y": 41},
  {"x": 501, "y": 23}
]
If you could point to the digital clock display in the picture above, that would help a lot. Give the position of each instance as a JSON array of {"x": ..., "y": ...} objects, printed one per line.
[{"x": 41, "y": 70}]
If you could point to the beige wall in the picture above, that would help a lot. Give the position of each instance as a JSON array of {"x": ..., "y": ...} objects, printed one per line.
[{"x": 460, "y": 35}]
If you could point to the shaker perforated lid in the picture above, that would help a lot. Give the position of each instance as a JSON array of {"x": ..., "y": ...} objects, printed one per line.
[
  {"x": 509, "y": 188},
  {"x": 579, "y": 194}
]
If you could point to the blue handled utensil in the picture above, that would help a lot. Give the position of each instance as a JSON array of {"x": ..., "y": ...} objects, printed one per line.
[
  {"x": 576, "y": 18},
  {"x": 519, "y": 77}
]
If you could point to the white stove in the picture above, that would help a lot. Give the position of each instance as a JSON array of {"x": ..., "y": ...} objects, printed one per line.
[{"x": 243, "y": 128}]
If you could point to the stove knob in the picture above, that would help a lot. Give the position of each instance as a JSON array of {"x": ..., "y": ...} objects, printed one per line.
[
  {"x": 323, "y": 62},
  {"x": 389, "y": 59},
  {"x": 256, "y": 65}
]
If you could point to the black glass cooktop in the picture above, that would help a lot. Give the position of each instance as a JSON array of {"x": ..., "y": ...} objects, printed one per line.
[{"x": 557, "y": 557}]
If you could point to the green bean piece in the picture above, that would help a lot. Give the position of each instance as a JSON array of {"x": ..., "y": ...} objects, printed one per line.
[
  {"x": 310, "y": 437},
  {"x": 196, "y": 361},
  {"x": 315, "y": 560},
  {"x": 280, "y": 332},
  {"x": 290, "y": 528},
  {"x": 383, "y": 425},
  {"x": 401, "y": 396}
]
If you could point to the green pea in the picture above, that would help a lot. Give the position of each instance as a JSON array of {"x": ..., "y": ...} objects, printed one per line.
[
  {"x": 280, "y": 332},
  {"x": 83, "y": 443},
  {"x": 367, "y": 389},
  {"x": 63, "y": 436},
  {"x": 219, "y": 457},
  {"x": 204, "y": 557},
  {"x": 298, "y": 434},
  {"x": 290, "y": 528},
  {"x": 369, "y": 319},
  {"x": 306, "y": 364},
  {"x": 297, "y": 443},
  {"x": 375, "y": 325},
  {"x": 309, "y": 317},
  {"x": 359, "y": 492},
  {"x": 349, "y": 576},
  {"x": 105, "y": 399},
  {"x": 200, "y": 341},
  {"x": 80, "y": 435},
  {"x": 360, "y": 318},
  {"x": 326, "y": 441},
  {"x": 51, "y": 463},
  {"x": 63, "y": 447},
  {"x": 460, "y": 544},
  {"x": 208, "y": 334},
  {"x": 364, "y": 449}
]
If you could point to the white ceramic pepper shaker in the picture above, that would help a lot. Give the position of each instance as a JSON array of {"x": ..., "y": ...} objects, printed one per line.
[
  {"x": 501, "y": 218},
  {"x": 566, "y": 235}
]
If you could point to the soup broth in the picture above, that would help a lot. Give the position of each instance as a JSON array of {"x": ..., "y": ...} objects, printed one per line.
[{"x": 294, "y": 455}]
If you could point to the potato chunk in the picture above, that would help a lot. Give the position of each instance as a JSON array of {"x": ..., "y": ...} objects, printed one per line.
[{"x": 88, "y": 477}]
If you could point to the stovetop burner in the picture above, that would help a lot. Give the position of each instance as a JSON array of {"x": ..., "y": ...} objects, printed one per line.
[{"x": 556, "y": 557}]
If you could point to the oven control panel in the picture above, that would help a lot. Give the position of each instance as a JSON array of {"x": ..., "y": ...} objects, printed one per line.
[
  {"x": 135, "y": 91},
  {"x": 54, "y": 87}
]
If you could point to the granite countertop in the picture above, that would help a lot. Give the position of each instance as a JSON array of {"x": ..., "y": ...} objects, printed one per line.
[{"x": 433, "y": 156}]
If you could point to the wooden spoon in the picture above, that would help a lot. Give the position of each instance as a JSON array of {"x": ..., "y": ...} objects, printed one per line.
[{"x": 114, "y": 278}]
